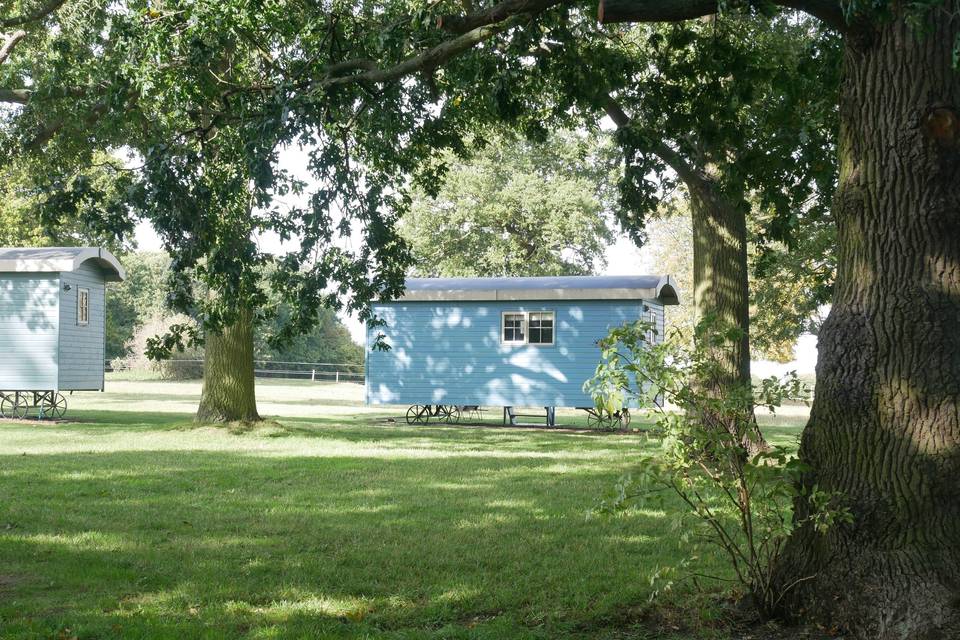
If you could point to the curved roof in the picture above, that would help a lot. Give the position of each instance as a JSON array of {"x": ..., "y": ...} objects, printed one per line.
[
  {"x": 653, "y": 287},
  {"x": 59, "y": 259}
]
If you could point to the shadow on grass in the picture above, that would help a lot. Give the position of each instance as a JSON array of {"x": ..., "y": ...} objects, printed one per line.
[{"x": 196, "y": 543}]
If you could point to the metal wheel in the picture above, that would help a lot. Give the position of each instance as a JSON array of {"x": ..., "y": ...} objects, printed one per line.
[
  {"x": 605, "y": 421},
  {"x": 418, "y": 414},
  {"x": 451, "y": 414},
  {"x": 14, "y": 406},
  {"x": 598, "y": 419},
  {"x": 53, "y": 405}
]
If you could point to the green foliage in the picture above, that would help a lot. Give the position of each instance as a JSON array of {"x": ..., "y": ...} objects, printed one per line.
[
  {"x": 737, "y": 503},
  {"x": 206, "y": 95},
  {"x": 788, "y": 286},
  {"x": 86, "y": 209},
  {"x": 515, "y": 208},
  {"x": 135, "y": 301},
  {"x": 749, "y": 100},
  {"x": 327, "y": 341},
  {"x": 140, "y": 301}
]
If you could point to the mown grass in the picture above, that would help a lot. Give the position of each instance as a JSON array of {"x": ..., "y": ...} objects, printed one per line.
[{"x": 138, "y": 524}]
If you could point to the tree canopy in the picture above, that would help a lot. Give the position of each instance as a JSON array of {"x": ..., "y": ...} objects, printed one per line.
[{"x": 515, "y": 208}]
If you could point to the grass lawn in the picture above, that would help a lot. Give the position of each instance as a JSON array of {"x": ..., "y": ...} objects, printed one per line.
[{"x": 332, "y": 522}]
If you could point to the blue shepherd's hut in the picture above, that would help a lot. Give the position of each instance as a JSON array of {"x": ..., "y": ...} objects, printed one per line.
[
  {"x": 52, "y": 325},
  {"x": 457, "y": 344}
]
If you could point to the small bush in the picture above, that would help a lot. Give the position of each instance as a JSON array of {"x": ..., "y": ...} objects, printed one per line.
[
  {"x": 137, "y": 362},
  {"x": 738, "y": 503}
]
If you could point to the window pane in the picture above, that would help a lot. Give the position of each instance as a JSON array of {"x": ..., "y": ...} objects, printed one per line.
[
  {"x": 512, "y": 327},
  {"x": 83, "y": 306},
  {"x": 541, "y": 327}
]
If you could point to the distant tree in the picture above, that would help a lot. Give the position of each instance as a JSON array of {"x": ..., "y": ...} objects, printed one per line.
[
  {"x": 788, "y": 285},
  {"x": 515, "y": 208},
  {"x": 133, "y": 302},
  {"x": 84, "y": 208},
  {"x": 140, "y": 302},
  {"x": 328, "y": 341}
]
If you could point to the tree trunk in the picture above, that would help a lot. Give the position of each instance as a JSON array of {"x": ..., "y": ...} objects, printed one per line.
[
  {"x": 884, "y": 430},
  {"x": 721, "y": 291},
  {"x": 228, "y": 382},
  {"x": 720, "y": 276}
]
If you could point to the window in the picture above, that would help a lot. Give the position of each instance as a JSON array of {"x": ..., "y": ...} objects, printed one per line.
[
  {"x": 541, "y": 327},
  {"x": 522, "y": 327},
  {"x": 513, "y": 328},
  {"x": 83, "y": 306}
]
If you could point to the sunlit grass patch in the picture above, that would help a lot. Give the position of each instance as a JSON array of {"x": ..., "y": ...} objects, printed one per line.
[{"x": 129, "y": 524}]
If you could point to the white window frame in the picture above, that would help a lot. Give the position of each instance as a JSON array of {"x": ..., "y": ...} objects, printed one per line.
[
  {"x": 83, "y": 312},
  {"x": 526, "y": 328},
  {"x": 523, "y": 326}
]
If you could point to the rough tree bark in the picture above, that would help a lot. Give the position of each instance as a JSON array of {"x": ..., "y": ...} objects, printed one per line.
[
  {"x": 884, "y": 430},
  {"x": 228, "y": 380},
  {"x": 720, "y": 272}
]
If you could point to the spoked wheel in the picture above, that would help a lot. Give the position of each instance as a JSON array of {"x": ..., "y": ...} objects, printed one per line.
[
  {"x": 625, "y": 418},
  {"x": 418, "y": 414},
  {"x": 54, "y": 405},
  {"x": 451, "y": 414},
  {"x": 602, "y": 420},
  {"x": 14, "y": 406}
]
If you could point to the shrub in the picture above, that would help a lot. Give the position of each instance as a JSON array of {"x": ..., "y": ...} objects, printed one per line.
[
  {"x": 181, "y": 367},
  {"x": 738, "y": 503}
]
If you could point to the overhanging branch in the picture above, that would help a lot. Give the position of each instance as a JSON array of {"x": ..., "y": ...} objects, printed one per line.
[
  {"x": 429, "y": 59},
  {"x": 612, "y": 11},
  {"x": 34, "y": 16},
  {"x": 16, "y": 96},
  {"x": 10, "y": 42},
  {"x": 662, "y": 150},
  {"x": 496, "y": 13}
]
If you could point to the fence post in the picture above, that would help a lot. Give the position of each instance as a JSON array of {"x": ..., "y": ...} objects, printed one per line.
[
  {"x": 313, "y": 375},
  {"x": 338, "y": 376}
]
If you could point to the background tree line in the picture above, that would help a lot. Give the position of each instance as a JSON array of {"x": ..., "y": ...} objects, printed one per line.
[{"x": 136, "y": 310}]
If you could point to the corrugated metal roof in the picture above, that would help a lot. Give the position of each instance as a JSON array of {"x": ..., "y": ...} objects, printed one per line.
[
  {"x": 59, "y": 259},
  {"x": 649, "y": 287}
]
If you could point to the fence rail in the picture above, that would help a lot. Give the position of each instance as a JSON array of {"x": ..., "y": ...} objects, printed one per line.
[{"x": 314, "y": 371}]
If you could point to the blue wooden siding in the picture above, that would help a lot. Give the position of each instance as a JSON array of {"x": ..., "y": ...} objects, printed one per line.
[
  {"x": 29, "y": 323},
  {"x": 82, "y": 346},
  {"x": 450, "y": 353}
]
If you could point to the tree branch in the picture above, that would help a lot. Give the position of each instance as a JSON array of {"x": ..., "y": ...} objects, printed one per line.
[
  {"x": 678, "y": 163},
  {"x": 35, "y": 16},
  {"x": 611, "y": 11},
  {"x": 429, "y": 59},
  {"x": 496, "y": 13},
  {"x": 16, "y": 96},
  {"x": 10, "y": 42}
]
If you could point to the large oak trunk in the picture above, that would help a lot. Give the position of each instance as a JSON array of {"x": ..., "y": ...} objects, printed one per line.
[
  {"x": 884, "y": 430},
  {"x": 228, "y": 380},
  {"x": 720, "y": 276},
  {"x": 721, "y": 292}
]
